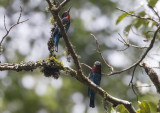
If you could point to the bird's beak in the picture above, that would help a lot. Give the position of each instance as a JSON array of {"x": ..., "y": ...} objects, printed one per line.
[{"x": 69, "y": 9}]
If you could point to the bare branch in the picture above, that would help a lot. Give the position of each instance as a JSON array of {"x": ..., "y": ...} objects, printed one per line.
[
  {"x": 62, "y": 4},
  {"x": 8, "y": 31},
  {"x": 123, "y": 49},
  {"x": 86, "y": 66},
  {"x": 131, "y": 82},
  {"x": 99, "y": 51},
  {"x": 19, "y": 15}
]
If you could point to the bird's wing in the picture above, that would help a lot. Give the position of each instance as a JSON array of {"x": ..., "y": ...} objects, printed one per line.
[
  {"x": 97, "y": 80},
  {"x": 55, "y": 32},
  {"x": 65, "y": 21}
]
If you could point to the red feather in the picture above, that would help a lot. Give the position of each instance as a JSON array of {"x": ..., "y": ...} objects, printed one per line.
[
  {"x": 68, "y": 16},
  {"x": 95, "y": 68}
]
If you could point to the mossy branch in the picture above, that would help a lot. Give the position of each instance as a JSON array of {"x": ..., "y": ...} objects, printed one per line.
[
  {"x": 152, "y": 75},
  {"x": 50, "y": 66}
]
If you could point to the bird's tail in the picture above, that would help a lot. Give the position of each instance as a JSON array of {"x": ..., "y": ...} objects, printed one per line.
[
  {"x": 92, "y": 101},
  {"x": 56, "y": 40},
  {"x": 56, "y": 48}
]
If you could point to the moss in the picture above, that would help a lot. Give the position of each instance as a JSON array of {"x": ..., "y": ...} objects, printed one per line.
[
  {"x": 53, "y": 68},
  {"x": 47, "y": 9},
  {"x": 53, "y": 7},
  {"x": 40, "y": 60},
  {"x": 52, "y": 21}
]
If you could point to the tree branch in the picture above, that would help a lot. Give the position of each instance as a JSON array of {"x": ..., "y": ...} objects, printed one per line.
[
  {"x": 152, "y": 75},
  {"x": 62, "y": 5},
  {"x": 8, "y": 30},
  {"x": 143, "y": 56},
  {"x": 144, "y": 18},
  {"x": 30, "y": 66},
  {"x": 99, "y": 51},
  {"x": 128, "y": 44},
  {"x": 154, "y": 11}
]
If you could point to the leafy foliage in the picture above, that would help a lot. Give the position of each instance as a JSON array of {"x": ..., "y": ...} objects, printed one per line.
[
  {"x": 144, "y": 107},
  {"x": 121, "y": 17},
  {"x": 121, "y": 109},
  {"x": 152, "y": 2}
]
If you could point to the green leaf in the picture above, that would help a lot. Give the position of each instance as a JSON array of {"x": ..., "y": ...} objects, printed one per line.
[
  {"x": 121, "y": 109},
  {"x": 121, "y": 17},
  {"x": 142, "y": 14},
  {"x": 153, "y": 107},
  {"x": 139, "y": 23},
  {"x": 144, "y": 107},
  {"x": 127, "y": 29},
  {"x": 152, "y": 2}
]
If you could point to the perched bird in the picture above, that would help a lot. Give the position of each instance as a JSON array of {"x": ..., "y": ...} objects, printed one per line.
[
  {"x": 56, "y": 34},
  {"x": 94, "y": 76}
]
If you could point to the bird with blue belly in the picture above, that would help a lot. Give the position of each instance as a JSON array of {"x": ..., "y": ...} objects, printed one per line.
[
  {"x": 56, "y": 34},
  {"x": 94, "y": 76}
]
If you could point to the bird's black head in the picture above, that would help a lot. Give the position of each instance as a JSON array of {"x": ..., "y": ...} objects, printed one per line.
[
  {"x": 97, "y": 66},
  {"x": 66, "y": 14}
]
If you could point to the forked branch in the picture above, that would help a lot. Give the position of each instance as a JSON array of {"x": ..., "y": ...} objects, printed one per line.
[{"x": 8, "y": 30}]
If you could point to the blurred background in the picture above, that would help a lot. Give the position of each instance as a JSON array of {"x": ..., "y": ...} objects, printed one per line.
[{"x": 31, "y": 92}]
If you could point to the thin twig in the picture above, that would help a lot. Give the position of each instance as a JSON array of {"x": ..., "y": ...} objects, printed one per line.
[
  {"x": 62, "y": 4},
  {"x": 5, "y": 23},
  {"x": 134, "y": 91},
  {"x": 139, "y": 34},
  {"x": 99, "y": 51},
  {"x": 154, "y": 11},
  {"x": 149, "y": 32},
  {"x": 20, "y": 15},
  {"x": 123, "y": 49},
  {"x": 144, "y": 86},
  {"x": 128, "y": 44},
  {"x": 131, "y": 82},
  {"x": 144, "y": 18},
  {"x": 86, "y": 66}
]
